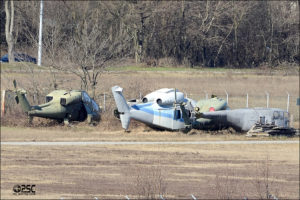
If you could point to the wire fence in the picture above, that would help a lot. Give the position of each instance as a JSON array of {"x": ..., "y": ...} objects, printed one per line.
[{"x": 285, "y": 101}]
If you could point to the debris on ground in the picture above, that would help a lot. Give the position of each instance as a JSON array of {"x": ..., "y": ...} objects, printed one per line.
[{"x": 270, "y": 130}]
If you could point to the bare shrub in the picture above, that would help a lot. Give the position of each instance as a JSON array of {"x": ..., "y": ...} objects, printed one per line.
[
  {"x": 168, "y": 62},
  {"x": 265, "y": 187},
  {"x": 151, "y": 62},
  {"x": 13, "y": 114},
  {"x": 226, "y": 185},
  {"x": 149, "y": 182},
  {"x": 14, "y": 119},
  {"x": 109, "y": 122}
]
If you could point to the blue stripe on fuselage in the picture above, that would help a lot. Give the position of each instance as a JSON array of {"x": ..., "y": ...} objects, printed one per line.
[
  {"x": 139, "y": 106},
  {"x": 164, "y": 112}
]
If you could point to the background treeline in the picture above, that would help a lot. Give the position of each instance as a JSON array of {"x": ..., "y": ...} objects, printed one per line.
[{"x": 189, "y": 33}]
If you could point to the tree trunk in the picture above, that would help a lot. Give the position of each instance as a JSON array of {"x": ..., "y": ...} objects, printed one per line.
[
  {"x": 272, "y": 32},
  {"x": 136, "y": 47},
  {"x": 9, "y": 29}
]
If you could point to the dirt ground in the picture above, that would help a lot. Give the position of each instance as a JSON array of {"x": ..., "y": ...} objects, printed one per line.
[{"x": 145, "y": 171}]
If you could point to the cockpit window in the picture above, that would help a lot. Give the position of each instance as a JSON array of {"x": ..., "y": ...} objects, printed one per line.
[
  {"x": 177, "y": 114},
  {"x": 48, "y": 99},
  {"x": 88, "y": 101},
  {"x": 85, "y": 97},
  {"x": 281, "y": 115}
]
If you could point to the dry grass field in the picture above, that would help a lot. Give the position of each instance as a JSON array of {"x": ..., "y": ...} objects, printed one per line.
[{"x": 145, "y": 171}]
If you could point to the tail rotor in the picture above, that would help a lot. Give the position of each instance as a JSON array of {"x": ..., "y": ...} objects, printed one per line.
[{"x": 15, "y": 86}]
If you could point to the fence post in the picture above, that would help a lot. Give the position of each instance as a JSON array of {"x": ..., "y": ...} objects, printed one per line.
[
  {"x": 267, "y": 99},
  {"x": 226, "y": 96},
  {"x": 247, "y": 101},
  {"x": 206, "y": 95},
  {"x": 288, "y": 102},
  {"x": 3, "y": 103},
  {"x": 140, "y": 95},
  {"x": 104, "y": 102}
]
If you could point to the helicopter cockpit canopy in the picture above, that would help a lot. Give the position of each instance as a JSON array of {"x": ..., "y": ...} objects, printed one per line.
[{"x": 89, "y": 102}]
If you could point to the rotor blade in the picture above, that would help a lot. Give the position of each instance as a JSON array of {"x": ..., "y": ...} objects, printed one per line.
[{"x": 15, "y": 83}]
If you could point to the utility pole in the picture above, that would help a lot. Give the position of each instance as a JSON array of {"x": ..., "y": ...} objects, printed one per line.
[{"x": 40, "y": 34}]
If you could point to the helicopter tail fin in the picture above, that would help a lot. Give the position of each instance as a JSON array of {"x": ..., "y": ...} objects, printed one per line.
[
  {"x": 21, "y": 98},
  {"x": 122, "y": 106}
]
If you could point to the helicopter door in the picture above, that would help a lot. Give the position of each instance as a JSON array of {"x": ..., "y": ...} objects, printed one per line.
[
  {"x": 278, "y": 118},
  {"x": 177, "y": 117}
]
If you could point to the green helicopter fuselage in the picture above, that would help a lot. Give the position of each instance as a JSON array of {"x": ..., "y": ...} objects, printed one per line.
[{"x": 74, "y": 105}]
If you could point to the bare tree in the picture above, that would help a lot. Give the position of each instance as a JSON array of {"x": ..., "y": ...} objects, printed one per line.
[
  {"x": 90, "y": 46},
  {"x": 9, "y": 28},
  {"x": 136, "y": 25}
]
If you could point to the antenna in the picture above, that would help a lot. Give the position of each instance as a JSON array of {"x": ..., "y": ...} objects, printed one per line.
[{"x": 175, "y": 96}]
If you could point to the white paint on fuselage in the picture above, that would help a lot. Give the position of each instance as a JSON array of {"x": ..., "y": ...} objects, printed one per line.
[{"x": 158, "y": 116}]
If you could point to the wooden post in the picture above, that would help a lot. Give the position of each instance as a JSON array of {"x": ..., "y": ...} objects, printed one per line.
[
  {"x": 3, "y": 103},
  {"x": 226, "y": 96},
  {"x": 288, "y": 101},
  {"x": 104, "y": 102},
  {"x": 267, "y": 99}
]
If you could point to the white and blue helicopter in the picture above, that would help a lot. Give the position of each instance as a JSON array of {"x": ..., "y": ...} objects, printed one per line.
[
  {"x": 168, "y": 109},
  {"x": 165, "y": 109}
]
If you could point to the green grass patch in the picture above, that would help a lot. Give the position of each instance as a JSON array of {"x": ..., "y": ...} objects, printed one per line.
[
  {"x": 143, "y": 68},
  {"x": 21, "y": 66},
  {"x": 163, "y": 68},
  {"x": 254, "y": 71}
]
